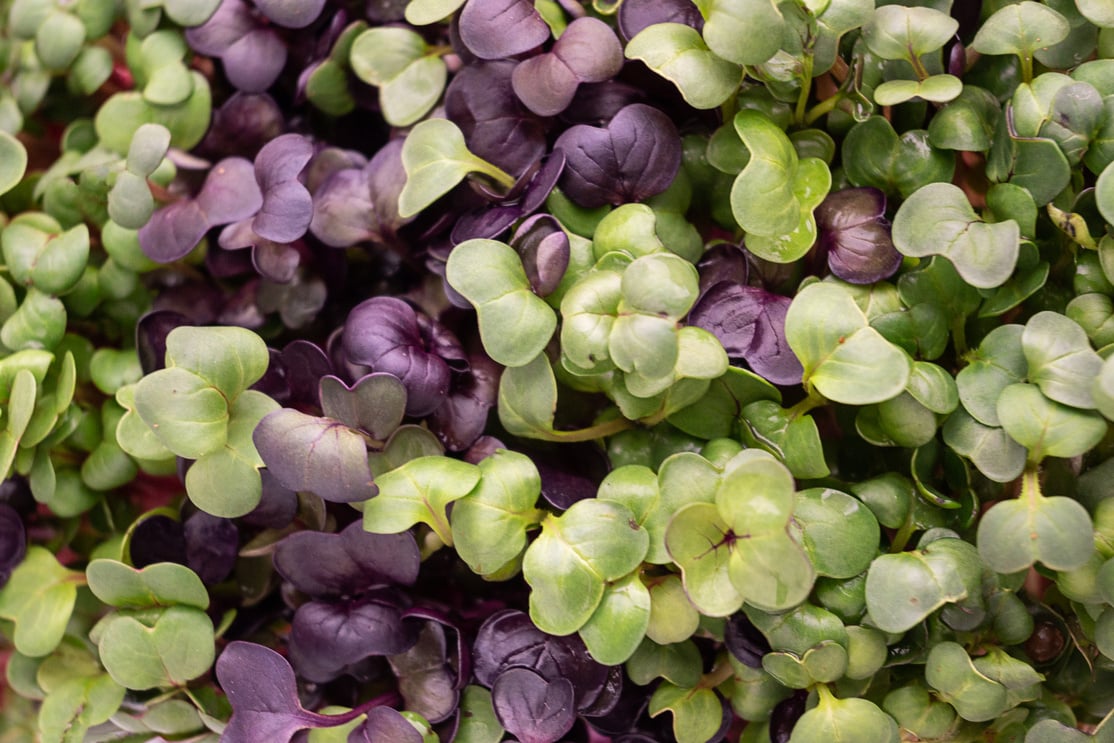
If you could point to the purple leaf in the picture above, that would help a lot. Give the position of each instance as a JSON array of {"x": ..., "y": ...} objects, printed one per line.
[
  {"x": 328, "y": 637},
  {"x": 150, "y": 337},
  {"x": 304, "y": 452},
  {"x": 463, "y": 416},
  {"x": 291, "y": 13},
  {"x": 230, "y": 23},
  {"x": 636, "y": 156},
  {"x": 426, "y": 680},
  {"x": 532, "y": 708},
  {"x": 383, "y": 333},
  {"x": 490, "y": 222},
  {"x": 544, "y": 248},
  {"x": 343, "y": 213},
  {"x": 264, "y": 696},
  {"x": 385, "y": 724},
  {"x": 277, "y": 507},
  {"x": 785, "y": 715},
  {"x": 493, "y": 29},
  {"x": 346, "y": 563},
  {"x": 856, "y": 235},
  {"x": 636, "y": 15},
  {"x": 597, "y": 103},
  {"x": 173, "y": 231},
  {"x": 745, "y": 641},
  {"x": 304, "y": 364},
  {"x": 750, "y": 323},
  {"x": 230, "y": 192},
  {"x": 243, "y": 124},
  {"x": 496, "y": 126},
  {"x": 212, "y": 544},
  {"x": 278, "y": 262},
  {"x": 254, "y": 62},
  {"x": 587, "y": 52},
  {"x": 13, "y": 541},
  {"x": 157, "y": 539},
  {"x": 723, "y": 262},
  {"x": 287, "y": 206}
]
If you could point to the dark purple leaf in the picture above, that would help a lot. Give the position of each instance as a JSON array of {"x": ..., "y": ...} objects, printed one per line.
[
  {"x": 243, "y": 124},
  {"x": 211, "y": 546},
  {"x": 496, "y": 126},
  {"x": 305, "y": 452},
  {"x": 570, "y": 472},
  {"x": 13, "y": 541},
  {"x": 304, "y": 364},
  {"x": 606, "y": 698},
  {"x": 544, "y": 247},
  {"x": 254, "y": 62},
  {"x": 230, "y": 23},
  {"x": 346, "y": 563},
  {"x": 723, "y": 262},
  {"x": 745, "y": 641},
  {"x": 426, "y": 681},
  {"x": 494, "y": 29},
  {"x": 482, "y": 448},
  {"x": 264, "y": 696},
  {"x": 532, "y": 708},
  {"x": 157, "y": 539},
  {"x": 636, "y": 156},
  {"x": 385, "y": 724},
  {"x": 173, "y": 231},
  {"x": 230, "y": 192},
  {"x": 463, "y": 416},
  {"x": 150, "y": 337},
  {"x": 291, "y": 13},
  {"x": 750, "y": 323},
  {"x": 277, "y": 506},
  {"x": 636, "y": 15},
  {"x": 597, "y": 103},
  {"x": 856, "y": 235},
  {"x": 785, "y": 715},
  {"x": 587, "y": 52},
  {"x": 327, "y": 637},
  {"x": 383, "y": 334}
]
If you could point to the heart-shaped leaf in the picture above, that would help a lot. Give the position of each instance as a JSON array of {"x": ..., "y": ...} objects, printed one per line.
[
  {"x": 619, "y": 623},
  {"x": 39, "y": 597},
  {"x": 1021, "y": 29},
  {"x": 396, "y": 60},
  {"x": 515, "y": 324},
  {"x": 903, "y": 589},
  {"x": 1060, "y": 359},
  {"x": 874, "y": 155},
  {"x": 697, "y": 713},
  {"x": 939, "y": 220},
  {"x": 679, "y": 54},
  {"x": 1053, "y": 530},
  {"x": 937, "y": 88},
  {"x": 1047, "y": 428},
  {"x": 839, "y": 532},
  {"x": 727, "y": 21},
  {"x": 844, "y": 719},
  {"x": 154, "y": 648},
  {"x": 898, "y": 32},
  {"x": 161, "y": 584},
  {"x": 419, "y": 491},
  {"x": 844, "y": 358}
]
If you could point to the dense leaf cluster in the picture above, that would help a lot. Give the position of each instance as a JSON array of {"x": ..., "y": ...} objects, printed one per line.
[{"x": 544, "y": 370}]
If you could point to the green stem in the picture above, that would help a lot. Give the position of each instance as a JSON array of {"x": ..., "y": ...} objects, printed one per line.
[
  {"x": 823, "y": 107},
  {"x": 1026, "y": 68},
  {"x": 919, "y": 68},
  {"x": 901, "y": 538},
  {"x": 1031, "y": 485},
  {"x": 497, "y": 174},
  {"x": 598, "y": 431},
  {"x": 825, "y": 694},
  {"x": 806, "y": 85},
  {"x": 814, "y": 400},
  {"x": 959, "y": 335}
]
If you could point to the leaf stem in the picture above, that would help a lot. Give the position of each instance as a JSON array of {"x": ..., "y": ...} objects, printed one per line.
[
  {"x": 814, "y": 400},
  {"x": 598, "y": 431},
  {"x": 1026, "y": 68},
  {"x": 959, "y": 335},
  {"x": 497, "y": 174},
  {"x": 901, "y": 538},
  {"x": 720, "y": 672},
  {"x": 1031, "y": 485},
  {"x": 806, "y": 85},
  {"x": 823, "y": 107}
]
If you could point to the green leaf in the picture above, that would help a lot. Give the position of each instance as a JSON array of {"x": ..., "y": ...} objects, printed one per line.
[
  {"x": 231, "y": 359},
  {"x": 38, "y": 253},
  {"x": 528, "y": 399},
  {"x": 903, "y": 589},
  {"x": 593, "y": 543},
  {"x": 874, "y": 155},
  {"x": 1021, "y": 29},
  {"x": 937, "y": 88},
  {"x": 673, "y": 618},
  {"x": 898, "y": 32},
  {"x": 190, "y": 12},
  {"x": 478, "y": 723},
  {"x": 619, "y": 623},
  {"x": 844, "y": 358},
  {"x": 839, "y": 532},
  {"x": 794, "y": 439},
  {"x": 679, "y": 54},
  {"x": 225, "y": 483},
  {"x": 998, "y": 362},
  {"x": 59, "y": 40},
  {"x": 967, "y": 123},
  {"x": 772, "y": 570},
  {"x": 844, "y": 720},
  {"x": 697, "y": 712},
  {"x": 425, "y": 12},
  {"x": 989, "y": 448},
  {"x": 939, "y": 220},
  {"x": 130, "y": 203},
  {"x": 515, "y": 324},
  {"x": 419, "y": 492},
  {"x": 774, "y": 196},
  {"x": 1047, "y": 428},
  {"x": 151, "y": 649},
  {"x": 951, "y": 673},
  {"x": 1061, "y": 361},
  {"x": 679, "y": 663},
  {"x": 713, "y": 415},
  {"x": 727, "y": 21},
  {"x": 436, "y": 158},
  {"x": 1054, "y": 531},
  {"x": 39, "y": 597},
  {"x": 13, "y": 162},
  {"x": 78, "y": 704},
  {"x": 397, "y": 61},
  {"x": 185, "y": 412},
  {"x": 160, "y": 584},
  {"x": 489, "y": 525}
]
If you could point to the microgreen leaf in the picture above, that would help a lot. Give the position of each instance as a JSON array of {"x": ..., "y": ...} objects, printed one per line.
[
  {"x": 678, "y": 53},
  {"x": 39, "y": 597},
  {"x": 419, "y": 491}
]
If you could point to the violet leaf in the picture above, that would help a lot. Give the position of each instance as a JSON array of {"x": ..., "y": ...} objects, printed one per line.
[
  {"x": 856, "y": 234},
  {"x": 493, "y": 29},
  {"x": 385, "y": 724},
  {"x": 346, "y": 563},
  {"x": 532, "y": 708},
  {"x": 291, "y": 13},
  {"x": 375, "y": 403},
  {"x": 323, "y": 456},
  {"x": 634, "y": 157},
  {"x": 287, "y": 206},
  {"x": 587, "y": 52}
]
